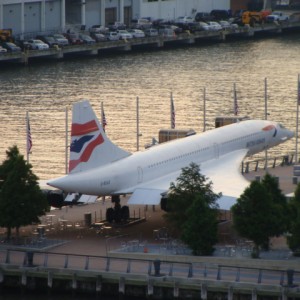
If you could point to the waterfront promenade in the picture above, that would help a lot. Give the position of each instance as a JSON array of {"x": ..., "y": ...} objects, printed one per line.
[
  {"x": 68, "y": 224},
  {"x": 107, "y": 259}
]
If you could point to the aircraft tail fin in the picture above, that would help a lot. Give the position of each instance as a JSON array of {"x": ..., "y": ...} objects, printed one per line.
[{"x": 90, "y": 147}]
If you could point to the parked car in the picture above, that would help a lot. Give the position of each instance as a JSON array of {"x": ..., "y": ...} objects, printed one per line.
[
  {"x": 191, "y": 26},
  {"x": 11, "y": 47},
  {"x": 61, "y": 40},
  {"x": 220, "y": 14},
  {"x": 185, "y": 19},
  {"x": 277, "y": 16},
  {"x": 151, "y": 32},
  {"x": 35, "y": 44},
  {"x": 203, "y": 17},
  {"x": 22, "y": 44},
  {"x": 112, "y": 36},
  {"x": 204, "y": 26},
  {"x": 141, "y": 24},
  {"x": 98, "y": 29},
  {"x": 98, "y": 37},
  {"x": 225, "y": 24},
  {"x": 87, "y": 39},
  {"x": 214, "y": 26},
  {"x": 166, "y": 32},
  {"x": 49, "y": 40},
  {"x": 2, "y": 50},
  {"x": 176, "y": 29},
  {"x": 124, "y": 34},
  {"x": 74, "y": 39},
  {"x": 136, "y": 33},
  {"x": 116, "y": 26}
]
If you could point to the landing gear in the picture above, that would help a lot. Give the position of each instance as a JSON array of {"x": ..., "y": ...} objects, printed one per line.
[{"x": 118, "y": 213}]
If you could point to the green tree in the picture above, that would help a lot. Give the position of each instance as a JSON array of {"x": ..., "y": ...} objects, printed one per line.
[
  {"x": 21, "y": 200},
  {"x": 280, "y": 209},
  {"x": 259, "y": 212},
  {"x": 193, "y": 210},
  {"x": 293, "y": 239}
]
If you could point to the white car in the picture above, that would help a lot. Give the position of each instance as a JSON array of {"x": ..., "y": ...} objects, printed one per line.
[
  {"x": 37, "y": 45},
  {"x": 2, "y": 50},
  {"x": 204, "y": 26},
  {"x": 137, "y": 33},
  {"x": 184, "y": 19},
  {"x": 151, "y": 32},
  {"x": 214, "y": 26},
  {"x": 277, "y": 16},
  {"x": 98, "y": 29},
  {"x": 225, "y": 24},
  {"x": 112, "y": 36},
  {"x": 124, "y": 34},
  {"x": 141, "y": 24}
]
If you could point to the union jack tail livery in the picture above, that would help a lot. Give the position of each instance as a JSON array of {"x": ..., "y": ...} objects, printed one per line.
[
  {"x": 90, "y": 146},
  {"x": 101, "y": 168}
]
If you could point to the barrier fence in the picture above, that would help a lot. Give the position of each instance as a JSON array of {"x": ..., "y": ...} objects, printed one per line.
[{"x": 151, "y": 267}]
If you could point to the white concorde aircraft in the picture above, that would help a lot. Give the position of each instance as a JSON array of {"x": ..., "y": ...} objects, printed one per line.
[{"x": 99, "y": 167}]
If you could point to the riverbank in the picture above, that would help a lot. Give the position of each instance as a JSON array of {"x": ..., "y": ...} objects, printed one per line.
[{"x": 160, "y": 41}]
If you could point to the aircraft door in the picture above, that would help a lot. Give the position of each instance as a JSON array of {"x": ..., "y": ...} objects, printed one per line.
[
  {"x": 216, "y": 150},
  {"x": 140, "y": 175}
]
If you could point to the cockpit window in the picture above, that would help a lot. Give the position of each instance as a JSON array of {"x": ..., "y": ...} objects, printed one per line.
[{"x": 281, "y": 126}]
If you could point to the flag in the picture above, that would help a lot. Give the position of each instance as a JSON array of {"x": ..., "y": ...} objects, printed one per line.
[
  {"x": 29, "y": 140},
  {"x": 172, "y": 113},
  {"x": 104, "y": 123}
]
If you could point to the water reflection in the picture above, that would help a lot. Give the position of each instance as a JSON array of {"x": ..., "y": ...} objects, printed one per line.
[{"x": 46, "y": 89}]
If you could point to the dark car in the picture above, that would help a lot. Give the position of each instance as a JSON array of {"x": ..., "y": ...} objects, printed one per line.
[
  {"x": 99, "y": 37},
  {"x": 220, "y": 14},
  {"x": 22, "y": 44},
  {"x": 48, "y": 39},
  {"x": 74, "y": 39},
  {"x": 11, "y": 47},
  {"x": 191, "y": 26},
  {"x": 61, "y": 40},
  {"x": 87, "y": 39},
  {"x": 203, "y": 17}
]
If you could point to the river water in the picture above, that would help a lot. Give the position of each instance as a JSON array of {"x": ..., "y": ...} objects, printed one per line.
[{"x": 45, "y": 89}]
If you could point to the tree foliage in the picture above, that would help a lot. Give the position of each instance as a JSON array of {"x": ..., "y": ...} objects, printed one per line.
[
  {"x": 260, "y": 212},
  {"x": 21, "y": 200},
  {"x": 193, "y": 210},
  {"x": 280, "y": 209},
  {"x": 293, "y": 239}
]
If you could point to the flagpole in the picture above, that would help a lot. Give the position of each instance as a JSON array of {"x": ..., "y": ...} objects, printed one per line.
[
  {"x": 204, "y": 109},
  {"x": 27, "y": 136},
  {"x": 266, "y": 117},
  {"x": 297, "y": 118},
  {"x": 137, "y": 125},
  {"x": 66, "y": 141},
  {"x": 172, "y": 112},
  {"x": 235, "y": 107},
  {"x": 171, "y": 109},
  {"x": 102, "y": 116}
]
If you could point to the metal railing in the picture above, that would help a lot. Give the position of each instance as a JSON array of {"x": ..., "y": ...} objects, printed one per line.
[
  {"x": 261, "y": 163},
  {"x": 155, "y": 267}
]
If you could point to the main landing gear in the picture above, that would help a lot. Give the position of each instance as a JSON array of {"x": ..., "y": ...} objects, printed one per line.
[{"x": 117, "y": 214}]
